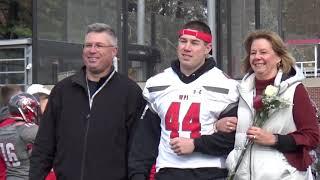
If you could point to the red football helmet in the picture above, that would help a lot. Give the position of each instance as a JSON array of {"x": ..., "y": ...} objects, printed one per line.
[{"x": 25, "y": 106}]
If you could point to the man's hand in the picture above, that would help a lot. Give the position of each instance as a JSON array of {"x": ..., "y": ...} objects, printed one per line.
[{"x": 182, "y": 146}]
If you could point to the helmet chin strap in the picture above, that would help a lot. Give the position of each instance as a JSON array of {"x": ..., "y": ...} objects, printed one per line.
[
  {"x": 17, "y": 118},
  {"x": 28, "y": 117},
  {"x": 22, "y": 114}
]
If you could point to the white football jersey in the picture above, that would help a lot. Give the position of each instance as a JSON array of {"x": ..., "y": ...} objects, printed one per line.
[{"x": 188, "y": 110}]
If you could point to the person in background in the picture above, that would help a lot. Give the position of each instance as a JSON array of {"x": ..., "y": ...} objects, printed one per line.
[
  {"x": 17, "y": 133},
  {"x": 42, "y": 93},
  {"x": 184, "y": 104},
  {"x": 6, "y": 93},
  {"x": 281, "y": 147},
  {"x": 86, "y": 128}
]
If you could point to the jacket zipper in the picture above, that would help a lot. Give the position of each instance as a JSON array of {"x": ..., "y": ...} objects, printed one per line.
[
  {"x": 88, "y": 122},
  {"x": 250, "y": 148},
  {"x": 85, "y": 147}
]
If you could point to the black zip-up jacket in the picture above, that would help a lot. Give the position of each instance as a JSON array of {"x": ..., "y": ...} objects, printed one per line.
[
  {"x": 147, "y": 135},
  {"x": 84, "y": 143}
]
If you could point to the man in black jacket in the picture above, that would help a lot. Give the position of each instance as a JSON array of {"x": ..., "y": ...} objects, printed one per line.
[{"x": 86, "y": 128}]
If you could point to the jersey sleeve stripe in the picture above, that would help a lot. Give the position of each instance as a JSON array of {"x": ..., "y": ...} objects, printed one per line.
[
  {"x": 157, "y": 88},
  {"x": 216, "y": 89}
]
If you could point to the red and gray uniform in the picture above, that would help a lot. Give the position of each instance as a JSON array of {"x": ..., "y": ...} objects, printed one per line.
[
  {"x": 15, "y": 146},
  {"x": 2, "y": 162},
  {"x": 2, "y": 169}
]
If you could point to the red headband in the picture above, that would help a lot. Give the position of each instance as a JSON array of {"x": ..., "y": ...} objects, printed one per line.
[{"x": 200, "y": 35}]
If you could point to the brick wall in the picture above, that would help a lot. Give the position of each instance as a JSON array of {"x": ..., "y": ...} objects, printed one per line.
[{"x": 314, "y": 93}]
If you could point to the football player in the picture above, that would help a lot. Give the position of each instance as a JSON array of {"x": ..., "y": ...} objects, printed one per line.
[
  {"x": 17, "y": 134},
  {"x": 184, "y": 104}
]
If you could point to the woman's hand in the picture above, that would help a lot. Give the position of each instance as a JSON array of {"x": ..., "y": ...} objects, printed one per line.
[
  {"x": 260, "y": 136},
  {"x": 227, "y": 124}
]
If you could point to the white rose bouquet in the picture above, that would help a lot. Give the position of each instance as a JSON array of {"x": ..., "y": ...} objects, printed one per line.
[{"x": 264, "y": 105}]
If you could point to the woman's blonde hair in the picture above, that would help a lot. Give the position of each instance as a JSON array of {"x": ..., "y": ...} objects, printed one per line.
[{"x": 278, "y": 46}]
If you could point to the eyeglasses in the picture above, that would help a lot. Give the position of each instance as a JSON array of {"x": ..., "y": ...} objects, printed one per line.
[{"x": 96, "y": 46}]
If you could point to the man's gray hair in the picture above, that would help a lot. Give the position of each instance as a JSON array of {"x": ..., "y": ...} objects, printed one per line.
[{"x": 101, "y": 27}]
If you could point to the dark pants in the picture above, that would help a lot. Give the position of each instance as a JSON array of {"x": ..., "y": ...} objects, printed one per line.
[{"x": 191, "y": 174}]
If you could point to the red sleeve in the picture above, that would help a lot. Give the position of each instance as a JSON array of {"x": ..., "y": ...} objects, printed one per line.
[
  {"x": 304, "y": 115},
  {"x": 307, "y": 134},
  {"x": 2, "y": 169}
]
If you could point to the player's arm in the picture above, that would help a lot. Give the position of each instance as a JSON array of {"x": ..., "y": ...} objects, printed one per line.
[
  {"x": 218, "y": 143},
  {"x": 28, "y": 132},
  {"x": 144, "y": 148}
]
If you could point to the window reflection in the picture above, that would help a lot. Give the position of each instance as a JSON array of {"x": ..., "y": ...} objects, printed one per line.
[
  {"x": 15, "y": 19},
  {"x": 60, "y": 31},
  {"x": 163, "y": 19}
]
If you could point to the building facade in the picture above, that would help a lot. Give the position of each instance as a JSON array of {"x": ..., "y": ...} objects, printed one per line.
[{"x": 147, "y": 31}]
